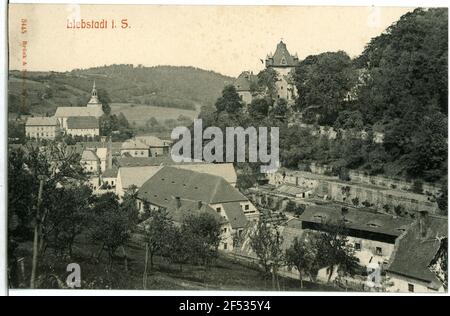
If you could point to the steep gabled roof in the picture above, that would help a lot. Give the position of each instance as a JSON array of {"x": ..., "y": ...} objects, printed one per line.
[
  {"x": 414, "y": 253},
  {"x": 282, "y": 57},
  {"x": 89, "y": 155},
  {"x": 132, "y": 174},
  {"x": 236, "y": 216},
  {"x": 42, "y": 121},
  {"x": 186, "y": 207},
  {"x": 134, "y": 144},
  {"x": 151, "y": 141},
  {"x": 67, "y": 111},
  {"x": 143, "y": 161},
  {"x": 110, "y": 173},
  {"x": 82, "y": 122},
  {"x": 358, "y": 219},
  {"x": 169, "y": 182},
  {"x": 244, "y": 81}
]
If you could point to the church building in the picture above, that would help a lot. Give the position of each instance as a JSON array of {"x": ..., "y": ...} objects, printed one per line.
[{"x": 92, "y": 109}]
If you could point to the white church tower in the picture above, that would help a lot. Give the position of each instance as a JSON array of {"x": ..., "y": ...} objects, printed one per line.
[{"x": 94, "y": 102}]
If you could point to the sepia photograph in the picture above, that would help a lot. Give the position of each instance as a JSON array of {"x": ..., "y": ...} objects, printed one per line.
[{"x": 225, "y": 148}]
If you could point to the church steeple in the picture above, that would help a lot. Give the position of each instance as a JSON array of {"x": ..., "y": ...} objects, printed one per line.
[{"x": 94, "y": 102}]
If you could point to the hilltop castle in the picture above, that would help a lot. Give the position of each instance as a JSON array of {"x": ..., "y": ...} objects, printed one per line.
[{"x": 284, "y": 64}]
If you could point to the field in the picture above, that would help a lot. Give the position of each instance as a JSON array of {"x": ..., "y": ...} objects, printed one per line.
[
  {"x": 140, "y": 114},
  {"x": 224, "y": 274}
]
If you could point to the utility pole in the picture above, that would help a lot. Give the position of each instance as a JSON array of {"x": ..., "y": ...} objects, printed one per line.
[{"x": 37, "y": 224}]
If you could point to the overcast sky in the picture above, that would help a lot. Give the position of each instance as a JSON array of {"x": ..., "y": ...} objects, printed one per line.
[{"x": 224, "y": 39}]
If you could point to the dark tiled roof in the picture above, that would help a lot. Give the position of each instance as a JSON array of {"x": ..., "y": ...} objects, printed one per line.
[
  {"x": 358, "y": 219},
  {"x": 179, "y": 212},
  {"x": 414, "y": 253},
  {"x": 78, "y": 111},
  {"x": 42, "y": 121},
  {"x": 281, "y": 57},
  {"x": 143, "y": 161},
  {"x": 89, "y": 155},
  {"x": 235, "y": 215},
  {"x": 82, "y": 122},
  {"x": 191, "y": 185},
  {"x": 134, "y": 144},
  {"x": 110, "y": 173},
  {"x": 244, "y": 81}
]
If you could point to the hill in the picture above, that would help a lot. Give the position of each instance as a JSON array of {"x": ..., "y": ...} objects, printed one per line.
[{"x": 162, "y": 86}]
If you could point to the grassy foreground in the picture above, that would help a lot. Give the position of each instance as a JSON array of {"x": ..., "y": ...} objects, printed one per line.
[{"x": 224, "y": 274}]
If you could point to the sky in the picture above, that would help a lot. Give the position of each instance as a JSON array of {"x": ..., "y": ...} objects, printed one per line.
[{"x": 225, "y": 39}]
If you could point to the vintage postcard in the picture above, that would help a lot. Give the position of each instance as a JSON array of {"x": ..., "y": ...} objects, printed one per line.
[{"x": 227, "y": 148}]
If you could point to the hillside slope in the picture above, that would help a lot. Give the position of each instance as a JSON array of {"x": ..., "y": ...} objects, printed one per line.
[{"x": 162, "y": 86}]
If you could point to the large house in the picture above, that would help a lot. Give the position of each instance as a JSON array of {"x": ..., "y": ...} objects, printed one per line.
[
  {"x": 372, "y": 235},
  {"x": 416, "y": 265},
  {"x": 244, "y": 84},
  {"x": 156, "y": 146},
  {"x": 84, "y": 126},
  {"x": 284, "y": 64},
  {"x": 93, "y": 109},
  {"x": 134, "y": 148},
  {"x": 178, "y": 189},
  {"x": 42, "y": 128},
  {"x": 133, "y": 175}
]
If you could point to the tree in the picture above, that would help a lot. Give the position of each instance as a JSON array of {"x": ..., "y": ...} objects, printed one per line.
[
  {"x": 34, "y": 174},
  {"x": 109, "y": 225},
  {"x": 230, "y": 101},
  {"x": 302, "y": 255},
  {"x": 334, "y": 249},
  {"x": 266, "y": 83},
  {"x": 105, "y": 100},
  {"x": 202, "y": 232},
  {"x": 266, "y": 242},
  {"x": 349, "y": 120},
  {"x": 176, "y": 249},
  {"x": 129, "y": 206},
  {"x": 259, "y": 107},
  {"x": 281, "y": 108},
  {"x": 66, "y": 218},
  {"x": 155, "y": 231},
  {"x": 323, "y": 82}
]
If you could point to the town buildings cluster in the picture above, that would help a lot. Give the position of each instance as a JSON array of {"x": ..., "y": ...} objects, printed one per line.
[
  {"x": 388, "y": 225},
  {"x": 80, "y": 121}
]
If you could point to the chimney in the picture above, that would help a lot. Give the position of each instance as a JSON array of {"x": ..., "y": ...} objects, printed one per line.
[
  {"x": 178, "y": 200},
  {"x": 109, "y": 153},
  {"x": 200, "y": 204},
  {"x": 423, "y": 223}
]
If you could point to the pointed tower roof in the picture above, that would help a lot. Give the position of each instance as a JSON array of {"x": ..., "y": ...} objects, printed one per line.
[
  {"x": 94, "y": 101},
  {"x": 282, "y": 57}
]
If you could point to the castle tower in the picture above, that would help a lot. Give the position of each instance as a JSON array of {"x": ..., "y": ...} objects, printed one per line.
[
  {"x": 284, "y": 64},
  {"x": 94, "y": 102}
]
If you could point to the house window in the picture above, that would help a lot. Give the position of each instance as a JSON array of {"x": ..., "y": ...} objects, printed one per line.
[
  {"x": 225, "y": 246},
  {"x": 218, "y": 209},
  {"x": 379, "y": 251},
  {"x": 357, "y": 246},
  {"x": 410, "y": 287},
  {"x": 246, "y": 207},
  {"x": 224, "y": 229}
]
